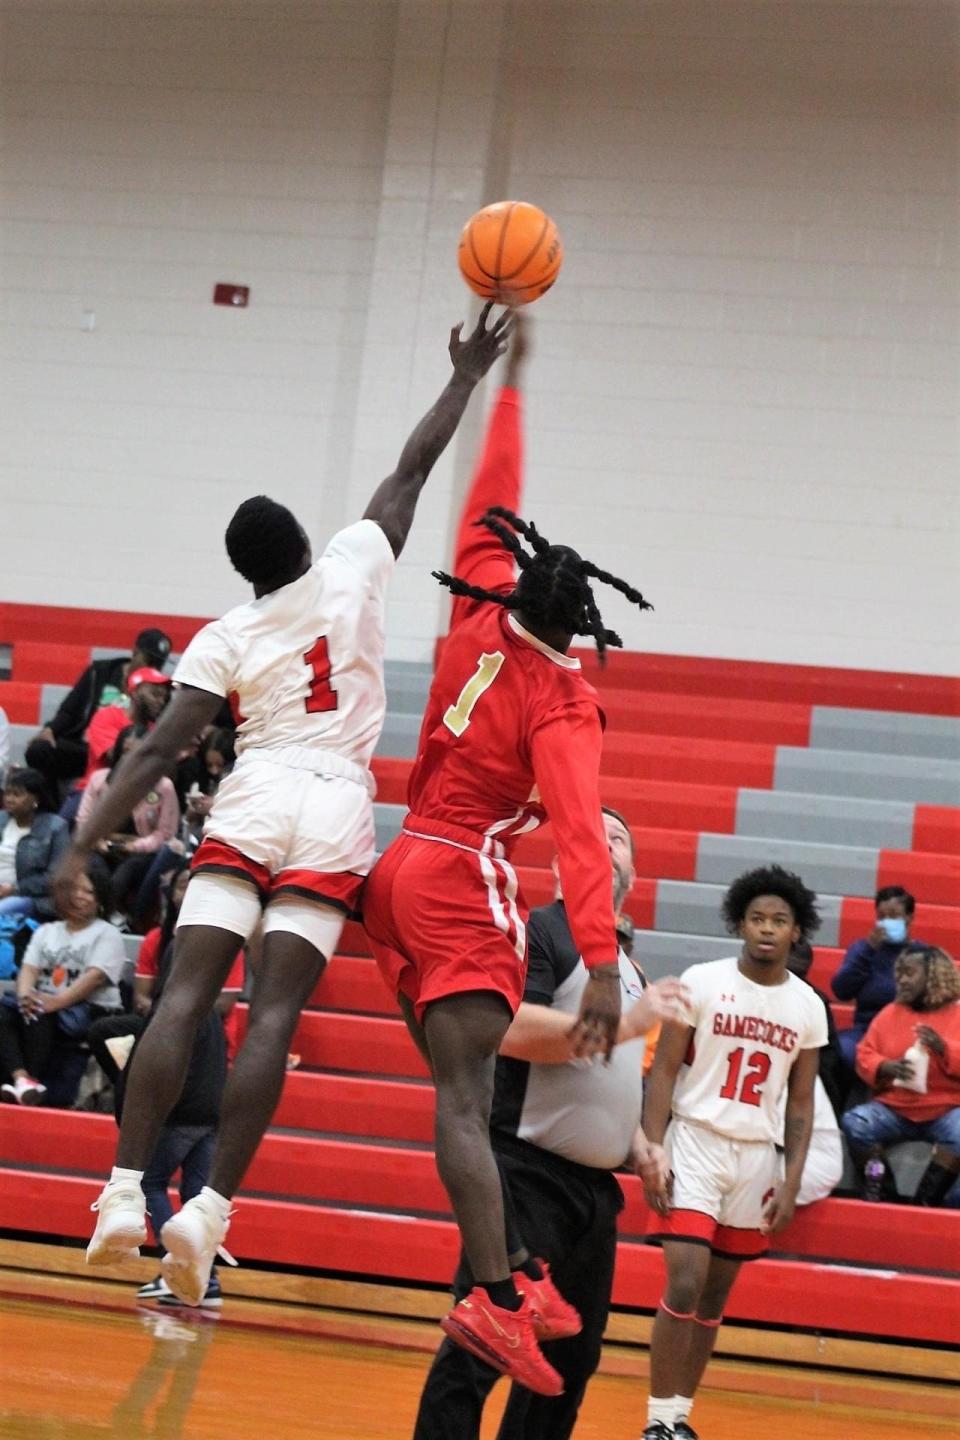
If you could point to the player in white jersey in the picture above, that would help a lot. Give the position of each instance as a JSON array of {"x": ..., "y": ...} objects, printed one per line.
[
  {"x": 290, "y": 836},
  {"x": 754, "y": 1035}
]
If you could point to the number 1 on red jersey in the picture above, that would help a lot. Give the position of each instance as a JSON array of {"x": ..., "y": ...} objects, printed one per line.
[{"x": 457, "y": 717}]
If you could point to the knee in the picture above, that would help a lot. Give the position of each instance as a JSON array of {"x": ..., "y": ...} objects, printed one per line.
[
  {"x": 857, "y": 1127},
  {"x": 683, "y": 1293},
  {"x": 273, "y": 1024}
]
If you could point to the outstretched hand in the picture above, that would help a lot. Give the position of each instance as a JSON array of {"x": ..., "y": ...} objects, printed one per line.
[
  {"x": 473, "y": 357},
  {"x": 597, "y": 1025}
]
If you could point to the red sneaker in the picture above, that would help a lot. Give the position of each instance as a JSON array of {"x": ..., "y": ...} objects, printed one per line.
[
  {"x": 505, "y": 1339},
  {"x": 553, "y": 1317}
]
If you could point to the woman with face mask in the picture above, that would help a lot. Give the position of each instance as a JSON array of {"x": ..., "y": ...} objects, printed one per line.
[
  {"x": 910, "y": 1057},
  {"x": 867, "y": 973}
]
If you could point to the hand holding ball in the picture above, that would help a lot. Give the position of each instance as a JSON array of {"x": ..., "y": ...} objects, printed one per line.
[{"x": 510, "y": 252}]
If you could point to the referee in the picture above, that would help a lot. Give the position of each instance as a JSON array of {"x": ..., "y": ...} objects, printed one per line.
[{"x": 559, "y": 1127}]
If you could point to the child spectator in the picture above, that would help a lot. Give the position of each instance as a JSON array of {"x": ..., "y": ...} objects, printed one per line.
[
  {"x": 866, "y": 975},
  {"x": 131, "y": 852},
  {"x": 32, "y": 842},
  {"x": 68, "y": 978},
  {"x": 910, "y": 1056}
]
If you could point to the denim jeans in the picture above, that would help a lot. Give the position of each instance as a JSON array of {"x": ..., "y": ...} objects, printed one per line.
[
  {"x": 877, "y": 1124},
  {"x": 187, "y": 1148},
  {"x": 18, "y": 905}
]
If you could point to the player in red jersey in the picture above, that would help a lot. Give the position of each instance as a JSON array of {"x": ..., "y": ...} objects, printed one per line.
[{"x": 512, "y": 735}]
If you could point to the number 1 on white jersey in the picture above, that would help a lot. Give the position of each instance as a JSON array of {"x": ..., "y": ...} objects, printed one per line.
[{"x": 457, "y": 717}]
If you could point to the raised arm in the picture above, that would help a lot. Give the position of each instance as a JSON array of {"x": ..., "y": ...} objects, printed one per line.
[
  {"x": 395, "y": 499},
  {"x": 185, "y": 717}
]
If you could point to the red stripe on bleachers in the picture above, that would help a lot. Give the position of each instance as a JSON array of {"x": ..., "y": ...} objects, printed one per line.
[
  {"x": 50, "y": 664},
  {"x": 690, "y": 761},
  {"x": 388, "y": 1176},
  {"x": 934, "y": 924},
  {"x": 348, "y": 1105},
  {"x": 935, "y": 877},
  {"x": 352, "y": 982},
  {"x": 415, "y": 1248},
  {"x": 707, "y": 716},
  {"x": 73, "y": 625},
  {"x": 767, "y": 681},
  {"x": 937, "y": 828},
  {"x": 666, "y": 854},
  {"x": 372, "y": 1044},
  {"x": 21, "y": 702}
]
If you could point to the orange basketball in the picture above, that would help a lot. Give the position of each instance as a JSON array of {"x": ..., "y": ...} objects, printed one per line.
[{"x": 510, "y": 252}]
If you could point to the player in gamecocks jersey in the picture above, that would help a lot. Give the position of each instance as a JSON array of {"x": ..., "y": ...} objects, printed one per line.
[
  {"x": 755, "y": 1033},
  {"x": 291, "y": 832},
  {"x": 512, "y": 734}
]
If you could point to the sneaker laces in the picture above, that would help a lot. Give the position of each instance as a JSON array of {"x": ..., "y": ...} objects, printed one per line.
[{"x": 115, "y": 1187}]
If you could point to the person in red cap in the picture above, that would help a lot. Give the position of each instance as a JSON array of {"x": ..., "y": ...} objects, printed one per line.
[
  {"x": 59, "y": 750},
  {"x": 148, "y": 692}
]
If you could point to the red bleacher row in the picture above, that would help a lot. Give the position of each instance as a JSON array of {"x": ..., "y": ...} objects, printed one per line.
[{"x": 888, "y": 1303}]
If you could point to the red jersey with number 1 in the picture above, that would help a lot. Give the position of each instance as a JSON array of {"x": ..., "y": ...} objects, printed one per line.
[
  {"x": 305, "y": 663},
  {"x": 512, "y": 733}
]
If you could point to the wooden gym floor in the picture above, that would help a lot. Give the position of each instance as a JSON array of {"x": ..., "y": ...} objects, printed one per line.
[{"x": 79, "y": 1361}]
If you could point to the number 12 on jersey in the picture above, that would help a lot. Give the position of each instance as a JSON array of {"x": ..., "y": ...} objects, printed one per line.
[
  {"x": 457, "y": 717},
  {"x": 758, "y": 1068}
]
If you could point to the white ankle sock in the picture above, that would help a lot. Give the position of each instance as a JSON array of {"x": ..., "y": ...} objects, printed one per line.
[
  {"x": 220, "y": 1203},
  {"x": 682, "y": 1405},
  {"x": 660, "y": 1409},
  {"x": 118, "y": 1173}
]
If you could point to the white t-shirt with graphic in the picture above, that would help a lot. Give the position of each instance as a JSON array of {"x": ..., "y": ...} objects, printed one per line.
[
  {"x": 746, "y": 1039},
  {"x": 62, "y": 956},
  {"x": 303, "y": 665}
]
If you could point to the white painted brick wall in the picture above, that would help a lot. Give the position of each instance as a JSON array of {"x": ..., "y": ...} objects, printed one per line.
[{"x": 745, "y": 389}]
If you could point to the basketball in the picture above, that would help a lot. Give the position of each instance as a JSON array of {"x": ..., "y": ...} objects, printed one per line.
[{"x": 510, "y": 252}]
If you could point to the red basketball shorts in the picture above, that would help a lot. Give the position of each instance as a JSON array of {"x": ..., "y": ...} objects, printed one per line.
[{"x": 444, "y": 918}]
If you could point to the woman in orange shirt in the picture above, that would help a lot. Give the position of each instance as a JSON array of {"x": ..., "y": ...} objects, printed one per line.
[{"x": 925, "y": 1014}]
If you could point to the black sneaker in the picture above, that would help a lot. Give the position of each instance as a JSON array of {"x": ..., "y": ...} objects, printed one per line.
[
  {"x": 683, "y": 1430},
  {"x": 657, "y": 1430}
]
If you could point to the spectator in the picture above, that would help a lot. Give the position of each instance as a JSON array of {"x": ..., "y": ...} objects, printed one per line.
[
  {"x": 4, "y": 744},
  {"x": 909, "y": 1104},
  {"x": 69, "y": 977},
  {"x": 147, "y": 696},
  {"x": 59, "y": 751},
  {"x": 823, "y": 1167},
  {"x": 32, "y": 843},
  {"x": 559, "y": 1127},
  {"x": 131, "y": 852},
  {"x": 866, "y": 974}
]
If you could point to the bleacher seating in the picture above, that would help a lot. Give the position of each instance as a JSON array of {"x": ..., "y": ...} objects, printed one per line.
[{"x": 712, "y": 781}]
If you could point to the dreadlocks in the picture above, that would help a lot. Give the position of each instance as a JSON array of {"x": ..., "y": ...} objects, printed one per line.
[{"x": 553, "y": 586}]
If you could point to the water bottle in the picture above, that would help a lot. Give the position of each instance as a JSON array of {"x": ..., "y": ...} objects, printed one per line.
[{"x": 873, "y": 1177}]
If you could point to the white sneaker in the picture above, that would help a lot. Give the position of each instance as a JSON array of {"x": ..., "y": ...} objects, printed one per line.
[
  {"x": 193, "y": 1239},
  {"x": 24, "y": 1091},
  {"x": 121, "y": 1223}
]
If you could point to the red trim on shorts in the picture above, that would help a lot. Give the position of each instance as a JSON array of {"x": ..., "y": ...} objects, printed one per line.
[
  {"x": 694, "y": 1225},
  {"x": 215, "y": 857},
  {"x": 732, "y": 1243},
  {"x": 339, "y": 890}
]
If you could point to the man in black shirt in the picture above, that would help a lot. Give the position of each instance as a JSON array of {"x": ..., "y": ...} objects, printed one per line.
[
  {"x": 59, "y": 751},
  {"x": 559, "y": 1128}
]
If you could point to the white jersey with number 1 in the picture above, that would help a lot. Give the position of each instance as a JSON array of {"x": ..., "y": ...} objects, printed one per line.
[
  {"x": 746, "y": 1039},
  {"x": 303, "y": 665}
]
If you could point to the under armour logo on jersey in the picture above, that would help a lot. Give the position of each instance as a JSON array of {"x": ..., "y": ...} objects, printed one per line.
[{"x": 728, "y": 999}]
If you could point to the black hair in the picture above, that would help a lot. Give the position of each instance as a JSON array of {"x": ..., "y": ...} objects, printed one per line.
[
  {"x": 609, "y": 810},
  {"x": 115, "y": 753},
  {"x": 553, "y": 586},
  {"x": 265, "y": 543},
  {"x": 168, "y": 923},
  {"x": 98, "y": 873},
  {"x": 895, "y": 892},
  {"x": 224, "y": 741},
  {"x": 26, "y": 778},
  {"x": 771, "y": 880}
]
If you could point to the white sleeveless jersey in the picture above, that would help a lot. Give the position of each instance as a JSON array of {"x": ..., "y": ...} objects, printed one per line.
[
  {"x": 746, "y": 1039},
  {"x": 303, "y": 666}
]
